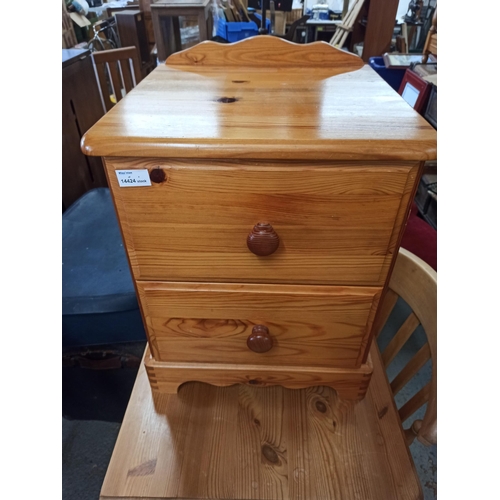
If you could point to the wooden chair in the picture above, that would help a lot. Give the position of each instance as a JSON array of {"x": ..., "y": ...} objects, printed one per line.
[
  {"x": 416, "y": 283},
  {"x": 118, "y": 72}
]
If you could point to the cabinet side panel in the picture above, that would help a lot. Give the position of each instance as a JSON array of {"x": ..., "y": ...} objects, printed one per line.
[{"x": 128, "y": 242}]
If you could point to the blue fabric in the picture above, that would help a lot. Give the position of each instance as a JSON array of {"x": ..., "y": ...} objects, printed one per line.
[
  {"x": 96, "y": 276},
  {"x": 99, "y": 304},
  {"x": 106, "y": 328}
]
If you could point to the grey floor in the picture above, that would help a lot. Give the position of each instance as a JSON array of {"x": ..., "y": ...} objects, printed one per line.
[
  {"x": 88, "y": 444},
  {"x": 87, "y": 448}
]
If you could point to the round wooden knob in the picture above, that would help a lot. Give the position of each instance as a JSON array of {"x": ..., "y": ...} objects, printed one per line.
[
  {"x": 263, "y": 239},
  {"x": 260, "y": 340}
]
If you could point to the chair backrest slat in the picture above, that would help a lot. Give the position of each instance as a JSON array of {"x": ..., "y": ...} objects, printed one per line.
[
  {"x": 103, "y": 86},
  {"x": 114, "y": 67},
  {"x": 410, "y": 370},
  {"x": 399, "y": 340},
  {"x": 115, "y": 79},
  {"x": 416, "y": 283},
  {"x": 415, "y": 402},
  {"x": 126, "y": 75}
]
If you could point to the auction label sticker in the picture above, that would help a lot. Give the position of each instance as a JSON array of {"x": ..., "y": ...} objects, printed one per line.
[{"x": 133, "y": 178}]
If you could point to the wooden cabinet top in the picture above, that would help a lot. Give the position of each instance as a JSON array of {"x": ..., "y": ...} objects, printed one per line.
[
  {"x": 70, "y": 56},
  {"x": 263, "y": 97}
]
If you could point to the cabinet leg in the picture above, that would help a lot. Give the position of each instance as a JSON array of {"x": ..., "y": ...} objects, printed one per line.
[{"x": 165, "y": 387}]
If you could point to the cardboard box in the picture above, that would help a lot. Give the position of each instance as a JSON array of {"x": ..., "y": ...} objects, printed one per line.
[{"x": 79, "y": 19}]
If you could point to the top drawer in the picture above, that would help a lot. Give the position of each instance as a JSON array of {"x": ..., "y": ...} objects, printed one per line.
[{"x": 336, "y": 223}]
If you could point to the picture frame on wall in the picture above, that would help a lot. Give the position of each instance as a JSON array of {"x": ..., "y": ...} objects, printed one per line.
[{"x": 414, "y": 90}]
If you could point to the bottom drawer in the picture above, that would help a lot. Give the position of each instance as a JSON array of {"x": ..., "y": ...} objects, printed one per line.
[{"x": 270, "y": 325}]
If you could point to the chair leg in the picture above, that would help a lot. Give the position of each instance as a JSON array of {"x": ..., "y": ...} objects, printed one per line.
[{"x": 412, "y": 432}]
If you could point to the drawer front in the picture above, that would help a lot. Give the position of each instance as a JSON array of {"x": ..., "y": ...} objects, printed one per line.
[
  {"x": 306, "y": 325},
  {"x": 336, "y": 224}
]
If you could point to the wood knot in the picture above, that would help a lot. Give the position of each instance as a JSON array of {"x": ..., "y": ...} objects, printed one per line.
[
  {"x": 239, "y": 81},
  {"x": 227, "y": 100},
  {"x": 269, "y": 454},
  {"x": 253, "y": 382},
  {"x": 256, "y": 421},
  {"x": 157, "y": 175},
  {"x": 145, "y": 469},
  {"x": 320, "y": 406},
  {"x": 196, "y": 59},
  {"x": 383, "y": 411}
]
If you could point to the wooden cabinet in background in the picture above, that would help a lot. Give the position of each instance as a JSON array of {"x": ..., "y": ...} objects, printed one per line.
[
  {"x": 81, "y": 108},
  {"x": 132, "y": 31}
]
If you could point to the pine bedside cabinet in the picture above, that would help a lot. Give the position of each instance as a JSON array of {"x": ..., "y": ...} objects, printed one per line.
[{"x": 262, "y": 189}]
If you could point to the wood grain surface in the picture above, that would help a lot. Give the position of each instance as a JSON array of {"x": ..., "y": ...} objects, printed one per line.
[
  {"x": 267, "y": 52},
  {"x": 167, "y": 377},
  {"x": 252, "y": 443},
  {"x": 338, "y": 223},
  {"x": 309, "y": 325},
  {"x": 267, "y": 109},
  {"x": 176, "y": 3}
]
